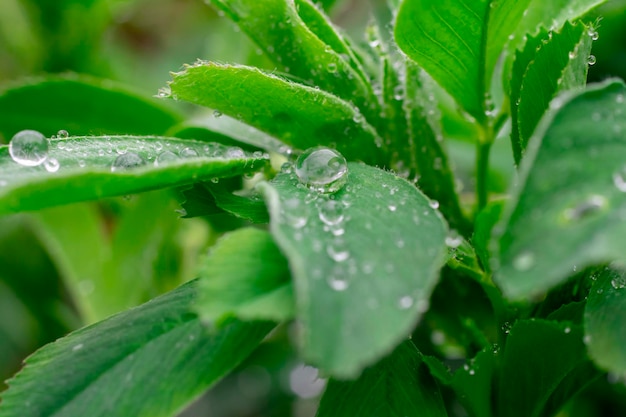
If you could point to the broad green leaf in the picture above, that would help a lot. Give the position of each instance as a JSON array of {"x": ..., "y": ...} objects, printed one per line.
[
  {"x": 566, "y": 212},
  {"x": 426, "y": 145},
  {"x": 550, "y": 63},
  {"x": 398, "y": 386},
  {"x": 81, "y": 105},
  {"x": 85, "y": 169},
  {"x": 458, "y": 43},
  {"x": 303, "y": 41},
  {"x": 604, "y": 325},
  {"x": 298, "y": 115},
  {"x": 206, "y": 199},
  {"x": 227, "y": 130},
  {"x": 247, "y": 277},
  {"x": 473, "y": 383},
  {"x": 357, "y": 293},
  {"x": 544, "y": 364},
  {"x": 149, "y": 361}
]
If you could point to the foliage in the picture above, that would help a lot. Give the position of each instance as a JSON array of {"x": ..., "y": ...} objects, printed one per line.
[{"x": 338, "y": 234}]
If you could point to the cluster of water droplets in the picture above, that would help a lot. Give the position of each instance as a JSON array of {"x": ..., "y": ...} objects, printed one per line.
[{"x": 31, "y": 149}]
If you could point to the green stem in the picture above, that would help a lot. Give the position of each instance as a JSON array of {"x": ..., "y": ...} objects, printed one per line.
[{"x": 482, "y": 172}]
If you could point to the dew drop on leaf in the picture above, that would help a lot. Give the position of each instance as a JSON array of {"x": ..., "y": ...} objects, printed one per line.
[
  {"x": 591, "y": 60},
  {"x": 592, "y": 205},
  {"x": 126, "y": 161},
  {"x": 331, "y": 212},
  {"x": 295, "y": 213},
  {"x": 29, "y": 148},
  {"x": 62, "y": 134},
  {"x": 322, "y": 169},
  {"x": 405, "y": 302},
  {"x": 165, "y": 157},
  {"x": 51, "y": 165},
  {"x": 189, "y": 153},
  {"x": 235, "y": 152}
]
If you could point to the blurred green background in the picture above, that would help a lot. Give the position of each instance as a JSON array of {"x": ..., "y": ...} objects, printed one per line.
[{"x": 66, "y": 267}]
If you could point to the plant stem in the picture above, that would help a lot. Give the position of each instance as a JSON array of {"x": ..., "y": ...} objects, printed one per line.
[{"x": 482, "y": 172}]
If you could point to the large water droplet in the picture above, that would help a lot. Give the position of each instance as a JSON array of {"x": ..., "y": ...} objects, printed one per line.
[
  {"x": 322, "y": 169},
  {"x": 126, "y": 161},
  {"x": 29, "y": 148}
]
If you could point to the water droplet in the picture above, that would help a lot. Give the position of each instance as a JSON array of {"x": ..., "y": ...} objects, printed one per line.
[
  {"x": 405, "y": 302},
  {"x": 592, "y": 205},
  {"x": 29, "y": 148},
  {"x": 567, "y": 330},
  {"x": 593, "y": 34},
  {"x": 82, "y": 163},
  {"x": 618, "y": 283},
  {"x": 295, "y": 213},
  {"x": 217, "y": 113},
  {"x": 322, "y": 169},
  {"x": 392, "y": 207},
  {"x": 524, "y": 261},
  {"x": 572, "y": 54},
  {"x": 453, "y": 240},
  {"x": 235, "y": 153},
  {"x": 127, "y": 161},
  {"x": 77, "y": 347},
  {"x": 165, "y": 157},
  {"x": 51, "y": 165},
  {"x": 337, "y": 282},
  {"x": 121, "y": 149},
  {"x": 591, "y": 60},
  {"x": 332, "y": 67},
  {"x": 619, "y": 179},
  {"x": 331, "y": 212},
  {"x": 189, "y": 153},
  {"x": 337, "y": 252},
  {"x": 434, "y": 204},
  {"x": 62, "y": 134}
]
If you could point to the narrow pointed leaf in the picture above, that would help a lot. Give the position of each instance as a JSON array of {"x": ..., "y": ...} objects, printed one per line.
[
  {"x": 81, "y": 105},
  {"x": 551, "y": 62},
  {"x": 356, "y": 294},
  {"x": 301, "y": 39},
  {"x": 245, "y": 276},
  {"x": 562, "y": 217},
  {"x": 458, "y": 43},
  {"x": 149, "y": 361},
  {"x": 544, "y": 382},
  {"x": 85, "y": 169},
  {"x": 604, "y": 328},
  {"x": 473, "y": 383},
  {"x": 398, "y": 386},
  {"x": 298, "y": 115}
]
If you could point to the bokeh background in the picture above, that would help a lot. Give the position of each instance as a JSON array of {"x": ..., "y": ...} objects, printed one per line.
[{"x": 141, "y": 239}]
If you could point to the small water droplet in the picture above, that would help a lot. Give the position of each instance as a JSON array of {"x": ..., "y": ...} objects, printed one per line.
[
  {"x": 332, "y": 67},
  {"x": 51, "y": 165},
  {"x": 454, "y": 240},
  {"x": 337, "y": 281},
  {"x": 235, "y": 153},
  {"x": 217, "y": 113},
  {"x": 567, "y": 330},
  {"x": 392, "y": 207},
  {"x": 165, "y": 157},
  {"x": 572, "y": 54},
  {"x": 331, "y": 212},
  {"x": 77, "y": 347},
  {"x": 619, "y": 179},
  {"x": 592, "y": 205},
  {"x": 337, "y": 252},
  {"x": 591, "y": 60},
  {"x": 405, "y": 302},
  {"x": 62, "y": 134},
  {"x": 29, "y": 148},
  {"x": 295, "y": 213},
  {"x": 593, "y": 34},
  {"x": 126, "y": 161},
  {"x": 434, "y": 204},
  {"x": 618, "y": 283},
  {"x": 322, "y": 169},
  {"x": 189, "y": 153},
  {"x": 524, "y": 261}
]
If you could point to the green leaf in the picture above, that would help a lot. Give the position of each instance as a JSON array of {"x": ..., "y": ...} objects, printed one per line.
[
  {"x": 247, "y": 277},
  {"x": 473, "y": 383},
  {"x": 303, "y": 41},
  {"x": 484, "y": 223},
  {"x": 550, "y": 63},
  {"x": 426, "y": 145},
  {"x": 563, "y": 217},
  {"x": 32, "y": 188},
  {"x": 81, "y": 105},
  {"x": 149, "y": 361},
  {"x": 357, "y": 295},
  {"x": 604, "y": 326},
  {"x": 223, "y": 129},
  {"x": 399, "y": 385},
  {"x": 544, "y": 382},
  {"x": 458, "y": 43},
  {"x": 298, "y": 115}
]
